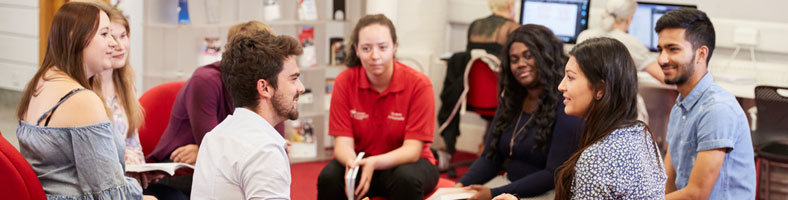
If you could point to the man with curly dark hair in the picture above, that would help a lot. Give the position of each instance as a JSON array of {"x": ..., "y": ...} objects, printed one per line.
[{"x": 244, "y": 156}]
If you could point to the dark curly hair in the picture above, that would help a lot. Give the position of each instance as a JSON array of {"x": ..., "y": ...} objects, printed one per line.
[
  {"x": 548, "y": 52},
  {"x": 251, "y": 56}
]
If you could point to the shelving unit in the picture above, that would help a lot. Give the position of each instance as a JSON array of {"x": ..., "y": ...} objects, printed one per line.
[{"x": 172, "y": 51}]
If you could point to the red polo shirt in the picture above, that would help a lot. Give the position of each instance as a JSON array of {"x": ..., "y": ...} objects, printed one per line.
[{"x": 381, "y": 122}]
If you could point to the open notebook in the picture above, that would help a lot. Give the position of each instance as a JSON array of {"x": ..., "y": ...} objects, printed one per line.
[{"x": 172, "y": 169}]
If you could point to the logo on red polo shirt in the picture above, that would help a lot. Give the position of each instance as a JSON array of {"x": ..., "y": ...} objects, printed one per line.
[
  {"x": 396, "y": 116},
  {"x": 358, "y": 115}
]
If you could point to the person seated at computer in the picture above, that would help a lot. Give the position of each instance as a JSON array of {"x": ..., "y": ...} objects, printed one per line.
[
  {"x": 490, "y": 33},
  {"x": 530, "y": 135},
  {"x": 383, "y": 108},
  {"x": 617, "y": 17}
]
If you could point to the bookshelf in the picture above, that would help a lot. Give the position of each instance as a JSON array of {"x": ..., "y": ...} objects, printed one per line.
[{"x": 173, "y": 51}]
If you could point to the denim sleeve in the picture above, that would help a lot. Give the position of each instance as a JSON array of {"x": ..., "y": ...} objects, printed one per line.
[
  {"x": 717, "y": 128},
  {"x": 99, "y": 165}
]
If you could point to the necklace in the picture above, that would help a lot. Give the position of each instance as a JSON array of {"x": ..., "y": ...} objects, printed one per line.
[{"x": 517, "y": 131}]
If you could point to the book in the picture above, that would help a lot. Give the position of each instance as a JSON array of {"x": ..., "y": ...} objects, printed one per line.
[
  {"x": 451, "y": 194},
  {"x": 307, "y": 38},
  {"x": 211, "y": 51},
  {"x": 339, "y": 10},
  {"x": 337, "y": 52},
  {"x": 350, "y": 178},
  {"x": 183, "y": 12},
  {"x": 271, "y": 11},
  {"x": 301, "y": 134},
  {"x": 173, "y": 169},
  {"x": 307, "y": 10}
]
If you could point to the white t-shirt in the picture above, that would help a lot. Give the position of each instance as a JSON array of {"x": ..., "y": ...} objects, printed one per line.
[
  {"x": 242, "y": 158},
  {"x": 640, "y": 54}
]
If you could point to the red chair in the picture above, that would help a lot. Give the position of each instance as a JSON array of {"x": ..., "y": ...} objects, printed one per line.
[
  {"x": 442, "y": 183},
  {"x": 157, "y": 102},
  {"x": 479, "y": 95},
  {"x": 19, "y": 179},
  {"x": 480, "y": 83}
]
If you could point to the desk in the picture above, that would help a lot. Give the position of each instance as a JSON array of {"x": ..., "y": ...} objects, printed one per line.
[{"x": 741, "y": 89}]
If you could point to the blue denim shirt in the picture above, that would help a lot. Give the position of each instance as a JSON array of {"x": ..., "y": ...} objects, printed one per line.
[
  {"x": 84, "y": 162},
  {"x": 711, "y": 118}
]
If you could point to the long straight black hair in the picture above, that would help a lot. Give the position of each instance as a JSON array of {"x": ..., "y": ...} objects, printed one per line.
[{"x": 609, "y": 67}]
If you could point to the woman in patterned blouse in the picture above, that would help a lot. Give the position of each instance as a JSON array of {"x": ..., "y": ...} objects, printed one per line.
[
  {"x": 617, "y": 158},
  {"x": 117, "y": 87}
]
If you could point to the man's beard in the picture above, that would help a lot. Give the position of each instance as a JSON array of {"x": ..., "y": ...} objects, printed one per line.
[
  {"x": 282, "y": 108},
  {"x": 686, "y": 70}
]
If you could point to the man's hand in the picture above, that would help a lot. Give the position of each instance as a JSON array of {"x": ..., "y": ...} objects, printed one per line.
[
  {"x": 185, "y": 154},
  {"x": 482, "y": 193}
]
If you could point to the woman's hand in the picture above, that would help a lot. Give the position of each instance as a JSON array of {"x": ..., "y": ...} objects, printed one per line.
[
  {"x": 368, "y": 168},
  {"x": 185, "y": 154},
  {"x": 145, "y": 178},
  {"x": 505, "y": 196},
  {"x": 458, "y": 185},
  {"x": 482, "y": 193}
]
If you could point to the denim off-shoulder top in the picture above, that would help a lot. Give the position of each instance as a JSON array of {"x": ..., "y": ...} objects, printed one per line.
[{"x": 83, "y": 162}]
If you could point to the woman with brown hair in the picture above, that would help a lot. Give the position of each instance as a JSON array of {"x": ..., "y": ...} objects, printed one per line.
[
  {"x": 383, "y": 108},
  {"x": 64, "y": 132},
  {"x": 617, "y": 158}
]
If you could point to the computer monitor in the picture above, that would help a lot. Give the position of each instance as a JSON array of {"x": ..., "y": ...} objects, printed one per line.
[
  {"x": 566, "y": 18},
  {"x": 646, "y": 16}
]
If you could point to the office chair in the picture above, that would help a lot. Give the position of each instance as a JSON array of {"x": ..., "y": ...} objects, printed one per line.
[
  {"x": 479, "y": 94},
  {"x": 771, "y": 141},
  {"x": 157, "y": 102}
]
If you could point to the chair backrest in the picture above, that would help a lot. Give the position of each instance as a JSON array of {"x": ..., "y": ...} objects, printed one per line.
[
  {"x": 19, "y": 179},
  {"x": 481, "y": 79},
  {"x": 480, "y": 87},
  {"x": 157, "y": 102},
  {"x": 772, "y": 117}
]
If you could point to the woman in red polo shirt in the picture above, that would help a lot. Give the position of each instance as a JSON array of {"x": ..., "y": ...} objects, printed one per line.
[{"x": 385, "y": 109}]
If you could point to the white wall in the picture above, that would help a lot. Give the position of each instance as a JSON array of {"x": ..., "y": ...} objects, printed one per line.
[
  {"x": 766, "y": 16},
  {"x": 134, "y": 12},
  {"x": 18, "y": 42}
]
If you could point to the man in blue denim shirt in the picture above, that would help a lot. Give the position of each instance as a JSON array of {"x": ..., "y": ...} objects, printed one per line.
[{"x": 710, "y": 154}]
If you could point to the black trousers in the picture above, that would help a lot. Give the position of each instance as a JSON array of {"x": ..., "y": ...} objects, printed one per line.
[{"x": 407, "y": 181}]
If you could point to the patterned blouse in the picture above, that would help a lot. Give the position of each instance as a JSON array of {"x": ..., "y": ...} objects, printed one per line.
[
  {"x": 624, "y": 165},
  {"x": 133, "y": 147}
]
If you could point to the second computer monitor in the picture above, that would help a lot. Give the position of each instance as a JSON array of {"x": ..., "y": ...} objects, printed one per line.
[
  {"x": 567, "y": 18},
  {"x": 646, "y": 16}
]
